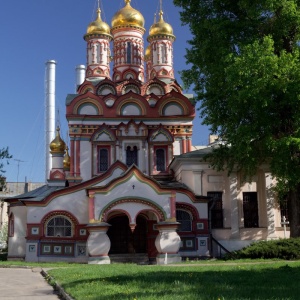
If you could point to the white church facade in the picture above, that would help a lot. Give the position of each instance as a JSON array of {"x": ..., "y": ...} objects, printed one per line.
[{"x": 133, "y": 184}]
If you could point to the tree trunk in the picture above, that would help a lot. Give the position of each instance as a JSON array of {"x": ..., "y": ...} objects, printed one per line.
[{"x": 294, "y": 211}]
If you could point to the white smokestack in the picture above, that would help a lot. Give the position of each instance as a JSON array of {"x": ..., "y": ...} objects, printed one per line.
[
  {"x": 50, "y": 111},
  {"x": 80, "y": 75}
]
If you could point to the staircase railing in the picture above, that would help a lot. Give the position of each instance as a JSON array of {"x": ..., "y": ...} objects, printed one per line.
[{"x": 220, "y": 250}]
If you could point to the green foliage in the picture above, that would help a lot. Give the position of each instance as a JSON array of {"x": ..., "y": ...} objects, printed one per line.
[
  {"x": 280, "y": 249},
  {"x": 244, "y": 59},
  {"x": 4, "y": 155}
]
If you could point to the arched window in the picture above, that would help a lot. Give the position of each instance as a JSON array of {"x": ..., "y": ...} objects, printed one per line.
[
  {"x": 59, "y": 226},
  {"x": 163, "y": 53},
  {"x": 185, "y": 220},
  {"x": 131, "y": 156},
  {"x": 128, "y": 52},
  {"x": 103, "y": 160},
  {"x": 160, "y": 160}
]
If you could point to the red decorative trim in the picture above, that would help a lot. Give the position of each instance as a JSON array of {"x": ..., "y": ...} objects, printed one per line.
[
  {"x": 105, "y": 213},
  {"x": 60, "y": 213},
  {"x": 109, "y": 215},
  {"x": 57, "y": 175},
  {"x": 190, "y": 208}
]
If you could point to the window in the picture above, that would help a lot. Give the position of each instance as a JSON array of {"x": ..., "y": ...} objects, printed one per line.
[
  {"x": 250, "y": 209},
  {"x": 163, "y": 53},
  {"x": 284, "y": 210},
  {"x": 103, "y": 159},
  {"x": 128, "y": 52},
  {"x": 131, "y": 156},
  {"x": 59, "y": 227},
  {"x": 185, "y": 220},
  {"x": 160, "y": 160},
  {"x": 216, "y": 216}
]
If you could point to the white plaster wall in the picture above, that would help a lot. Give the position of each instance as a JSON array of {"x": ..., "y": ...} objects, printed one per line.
[
  {"x": 132, "y": 208},
  {"x": 85, "y": 160},
  {"x": 125, "y": 190},
  {"x": 176, "y": 148},
  {"x": 76, "y": 204},
  {"x": 17, "y": 243},
  {"x": 116, "y": 173}
]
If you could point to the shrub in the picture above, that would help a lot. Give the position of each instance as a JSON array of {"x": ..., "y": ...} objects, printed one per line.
[{"x": 281, "y": 249}]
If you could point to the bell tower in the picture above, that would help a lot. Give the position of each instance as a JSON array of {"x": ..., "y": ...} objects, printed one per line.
[
  {"x": 98, "y": 38},
  {"x": 128, "y": 30},
  {"x": 161, "y": 40}
]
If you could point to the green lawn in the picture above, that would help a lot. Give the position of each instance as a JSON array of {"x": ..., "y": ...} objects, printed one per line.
[{"x": 264, "y": 280}]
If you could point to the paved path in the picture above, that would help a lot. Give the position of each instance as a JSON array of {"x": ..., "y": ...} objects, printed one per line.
[{"x": 24, "y": 284}]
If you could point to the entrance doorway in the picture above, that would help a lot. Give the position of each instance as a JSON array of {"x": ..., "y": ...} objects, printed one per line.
[{"x": 123, "y": 240}]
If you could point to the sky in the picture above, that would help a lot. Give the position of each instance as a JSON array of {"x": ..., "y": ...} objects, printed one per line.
[{"x": 35, "y": 31}]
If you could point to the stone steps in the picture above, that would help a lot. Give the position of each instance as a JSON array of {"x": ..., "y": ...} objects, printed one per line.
[{"x": 137, "y": 258}]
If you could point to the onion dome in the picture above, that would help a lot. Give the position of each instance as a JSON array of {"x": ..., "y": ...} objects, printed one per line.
[
  {"x": 57, "y": 145},
  {"x": 128, "y": 16},
  {"x": 67, "y": 160},
  {"x": 148, "y": 53},
  {"x": 161, "y": 28},
  {"x": 98, "y": 26}
]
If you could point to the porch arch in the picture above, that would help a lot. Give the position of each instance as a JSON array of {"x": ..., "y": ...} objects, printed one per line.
[{"x": 150, "y": 205}]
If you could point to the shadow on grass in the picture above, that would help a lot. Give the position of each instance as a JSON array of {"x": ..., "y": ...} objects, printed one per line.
[{"x": 234, "y": 283}]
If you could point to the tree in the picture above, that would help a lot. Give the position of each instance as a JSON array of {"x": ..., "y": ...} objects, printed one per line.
[
  {"x": 245, "y": 72},
  {"x": 4, "y": 155}
]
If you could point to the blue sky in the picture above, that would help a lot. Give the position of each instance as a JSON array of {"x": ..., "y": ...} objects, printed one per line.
[{"x": 34, "y": 31}]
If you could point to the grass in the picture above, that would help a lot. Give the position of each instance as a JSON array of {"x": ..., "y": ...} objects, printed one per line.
[
  {"x": 270, "y": 280},
  {"x": 202, "y": 280}
]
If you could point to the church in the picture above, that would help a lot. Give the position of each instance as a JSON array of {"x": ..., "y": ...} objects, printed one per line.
[{"x": 130, "y": 183}]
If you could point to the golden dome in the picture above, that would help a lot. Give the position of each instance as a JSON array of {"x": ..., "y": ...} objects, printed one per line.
[
  {"x": 67, "y": 160},
  {"x": 161, "y": 28},
  {"x": 57, "y": 145},
  {"x": 128, "y": 16},
  {"x": 98, "y": 26},
  {"x": 148, "y": 53}
]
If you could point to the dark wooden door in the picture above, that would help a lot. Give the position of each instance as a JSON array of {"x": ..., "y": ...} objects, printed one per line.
[
  {"x": 140, "y": 235},
  {"x": 119, "y": 234}
]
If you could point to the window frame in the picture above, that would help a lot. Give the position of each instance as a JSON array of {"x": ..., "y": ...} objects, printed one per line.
[
  {"x": 71, "y": 226},
  {"x": 251, "y": 214},
  {"x": 135, "y": 160},
  {"x": 165, "y": 149},
  {"x": 216, "y": 213},
  {"x": 181, "y": 220},
  {"x": 108, "y": 149}
]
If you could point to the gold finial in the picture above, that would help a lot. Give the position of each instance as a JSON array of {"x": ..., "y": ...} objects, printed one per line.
[
  {"x": 161, "y": 14},
  {"x": 99, "y": 13},
  {"x": 127, "y": 2}
]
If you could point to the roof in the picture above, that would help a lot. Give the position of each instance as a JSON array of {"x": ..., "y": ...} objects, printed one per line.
[
  {"x": 36, "y": 195},
  {"x": 196, "y": 154}
]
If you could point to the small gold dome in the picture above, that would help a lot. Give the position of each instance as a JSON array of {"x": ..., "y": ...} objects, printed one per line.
[
  {"x": 128, "y": 16},
  {"x": 161, "y": 28},
  {"x": 148, "y": 53},
  {"x": 67, "y": 160},
  {"x": 57, "y": 145},
  {"x": 98, "y": 26}
]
